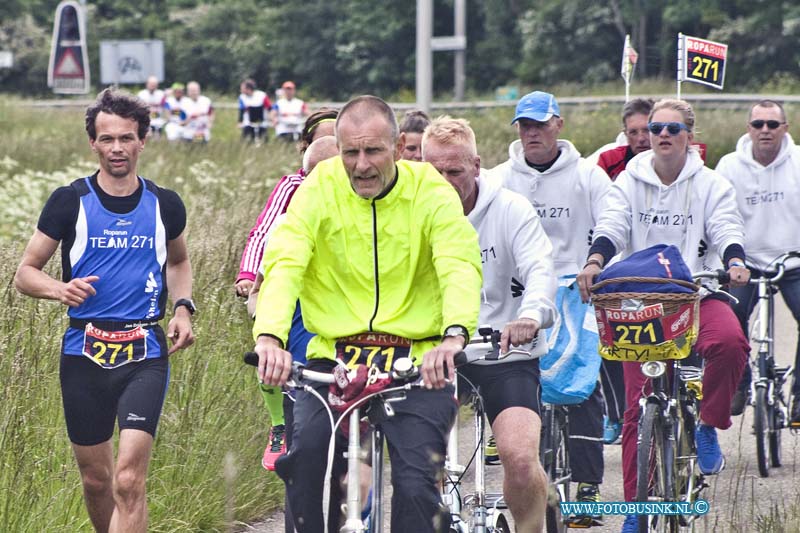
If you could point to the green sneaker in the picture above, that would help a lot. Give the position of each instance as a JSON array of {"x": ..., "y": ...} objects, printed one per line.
[
  {"x": 491, "y": 457},
  {"x": 587, "y": 492}
]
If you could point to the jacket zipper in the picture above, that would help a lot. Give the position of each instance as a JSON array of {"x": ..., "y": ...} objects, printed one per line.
[{"x": 375, "y": 262}]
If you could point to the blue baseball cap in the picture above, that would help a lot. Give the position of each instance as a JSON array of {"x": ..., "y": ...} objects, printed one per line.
[{"x": 538, "y": 105}]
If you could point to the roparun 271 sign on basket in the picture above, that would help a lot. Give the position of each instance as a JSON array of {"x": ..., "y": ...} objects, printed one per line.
[
  {"x": 701, "y": 61},
  {"x": 68, "y": 71}
]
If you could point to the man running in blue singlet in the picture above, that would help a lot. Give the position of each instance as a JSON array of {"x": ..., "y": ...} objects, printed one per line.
[{"x": 122, "y": 248}]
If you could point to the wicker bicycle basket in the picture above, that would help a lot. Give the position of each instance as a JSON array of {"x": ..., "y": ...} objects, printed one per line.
[{"x": 646, "y": 326}]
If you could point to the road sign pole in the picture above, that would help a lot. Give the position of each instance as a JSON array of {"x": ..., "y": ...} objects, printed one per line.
[{"x": 424, "y": 54}]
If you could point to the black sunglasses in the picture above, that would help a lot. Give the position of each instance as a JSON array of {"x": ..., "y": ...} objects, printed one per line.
[
  {"x": 673, "y": 128},
  {"x": 771, "y": 124}
]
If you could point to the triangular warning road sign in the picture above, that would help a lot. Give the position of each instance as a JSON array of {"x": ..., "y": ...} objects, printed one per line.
[{"x": 68, "y": 66}]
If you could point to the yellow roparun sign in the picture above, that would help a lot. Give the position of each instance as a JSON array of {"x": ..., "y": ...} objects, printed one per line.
[
  {"x": 701, "y": 61},
  {"x": 647, "y": 333}
]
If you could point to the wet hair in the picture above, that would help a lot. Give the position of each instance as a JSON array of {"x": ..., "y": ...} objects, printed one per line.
[
  {"x": 122, "y": 104},
  {"x": 414, "y": 122},
  {"x": 681, "y": 106},
  {"x": 364, "y": 107},
  {"x": 450, "y": 131},
  {"x": 249, "y": 83},
  {"x": 313, "y": 120},
  {"x": 637, "y": 106},
  {"x": 768, "y": 103}
]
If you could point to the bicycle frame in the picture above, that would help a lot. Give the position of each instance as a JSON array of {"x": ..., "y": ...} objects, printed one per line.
[{"x": 766, "y": 389}]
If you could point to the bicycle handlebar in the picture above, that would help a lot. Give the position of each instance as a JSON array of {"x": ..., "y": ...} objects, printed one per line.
[
  {"x": 780, "y": 264},
  {"x": 300, "y": 373},
  {"x": 720, "y": 275}
]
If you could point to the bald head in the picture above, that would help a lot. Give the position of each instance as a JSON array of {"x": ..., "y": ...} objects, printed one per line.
[
  {"x": 363, "y": 108},
  {"x": 319, "y": 150},
  {"x": 152, "y": 83},
  {"x": 193, "y": 90}
]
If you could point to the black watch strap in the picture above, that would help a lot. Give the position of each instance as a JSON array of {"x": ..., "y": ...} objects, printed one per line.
[{"x": 187, "y": 303}]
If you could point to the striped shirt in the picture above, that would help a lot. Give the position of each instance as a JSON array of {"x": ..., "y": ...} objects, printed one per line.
[{"x": 276, "y": 205}]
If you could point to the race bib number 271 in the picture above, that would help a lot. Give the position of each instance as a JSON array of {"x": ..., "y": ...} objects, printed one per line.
[
  {"x": 111, "y": 349},
  {"x": 372, "y": 349}
]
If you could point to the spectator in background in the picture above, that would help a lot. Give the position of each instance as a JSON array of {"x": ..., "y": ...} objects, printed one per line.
[
  {"x": 634, "y": 126},
  {"x": 413, "y": 125},
  {"x": 172, "y": 106},
  {"x": 197, "y": 114},
  {"x": 288, "y": 114},
  {"x": 254, "y": 106},
  {"x": 155, "y": 100}
]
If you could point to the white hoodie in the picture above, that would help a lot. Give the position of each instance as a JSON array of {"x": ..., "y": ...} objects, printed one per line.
[
  {"x": 768, "y": 197},
  {"x": 697, "y": 212},
  {"x": 568, "y": 197},
  {"x": 518, "y": 280}
]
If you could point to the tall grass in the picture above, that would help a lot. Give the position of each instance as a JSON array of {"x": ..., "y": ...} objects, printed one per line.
[{"x": 213, "y": 410}]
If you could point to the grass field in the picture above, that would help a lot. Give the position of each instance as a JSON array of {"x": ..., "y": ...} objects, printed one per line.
[{"x": 206, "y": 472}]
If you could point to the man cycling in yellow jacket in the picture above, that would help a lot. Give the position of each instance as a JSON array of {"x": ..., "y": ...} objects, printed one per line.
[{"x": 386, "y": 265}]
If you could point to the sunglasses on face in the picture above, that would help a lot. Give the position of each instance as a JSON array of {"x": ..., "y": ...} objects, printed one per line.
[
  {"x": 673, "y": 128},
  {"x": 771, "y": 124}
]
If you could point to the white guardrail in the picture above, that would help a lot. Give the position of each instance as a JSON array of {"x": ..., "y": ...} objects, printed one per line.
[{"x": 719, "y": 100}]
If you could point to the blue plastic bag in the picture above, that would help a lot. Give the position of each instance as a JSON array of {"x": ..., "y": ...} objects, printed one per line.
[{"x": 571, "y": 367}]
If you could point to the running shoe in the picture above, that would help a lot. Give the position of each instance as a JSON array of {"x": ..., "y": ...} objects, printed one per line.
[
  {"x": 612, "y": 431},
  {"x": 588, "y": 493},
  {"x": 709, "y": 456},
  {"x": 631, "y": 524},
  {"x": 795, "y": 419},
  {"x": 276, "y": 446},
  {"x": 491, "y": 457}
]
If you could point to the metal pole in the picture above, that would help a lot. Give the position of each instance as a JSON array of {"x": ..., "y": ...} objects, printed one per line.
[
  {"x": 424, "y": 54},
  {"x": 680, "y": 63},
  {"x": 460, "y": 14}
]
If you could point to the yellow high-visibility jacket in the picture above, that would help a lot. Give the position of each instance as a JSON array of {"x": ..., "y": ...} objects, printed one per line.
[{"x": 407, "y": 263}]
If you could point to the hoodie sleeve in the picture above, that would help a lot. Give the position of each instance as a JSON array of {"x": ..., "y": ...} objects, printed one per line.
[
  {"x": 599, "y": 187},
  {"x": 532, "y": 252},
  {"x": 724, "y": 225},
  {"x": 286, "y": 258},
  {"x": 615, "y": 219}
]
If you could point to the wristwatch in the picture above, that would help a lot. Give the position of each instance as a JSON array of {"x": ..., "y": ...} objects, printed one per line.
[
  {"x": 453, "y": 331},
  {"x": 187, "y": 303}
]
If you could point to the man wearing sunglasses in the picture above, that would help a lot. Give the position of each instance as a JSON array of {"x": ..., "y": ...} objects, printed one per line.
[{"x": 765, "y": 171}]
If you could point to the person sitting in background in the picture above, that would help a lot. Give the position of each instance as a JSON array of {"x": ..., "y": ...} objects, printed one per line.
[
  {"x": 412, "y": 126},
  {"x": 254, "y": 106},
  {"x": 156, "y": 101},
  {"x": 172, "y": 105},
  {"x": 288, "y": 114},
  {"x": 197, "y": 114}
]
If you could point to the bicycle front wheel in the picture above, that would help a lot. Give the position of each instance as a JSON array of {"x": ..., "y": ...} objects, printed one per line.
[
  {"x": 558, "y": 472},
  {"x": 761, "y": 430},
  {"x": 653, "y": 482}
]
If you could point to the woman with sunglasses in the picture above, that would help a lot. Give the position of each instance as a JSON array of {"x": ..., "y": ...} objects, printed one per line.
[{"x": 667, "y": 196}]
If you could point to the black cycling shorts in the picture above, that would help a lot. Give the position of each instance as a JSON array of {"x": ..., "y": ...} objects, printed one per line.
[
  {"x": 503, "y": 385},
  {"x": 133, "y": 393}
]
